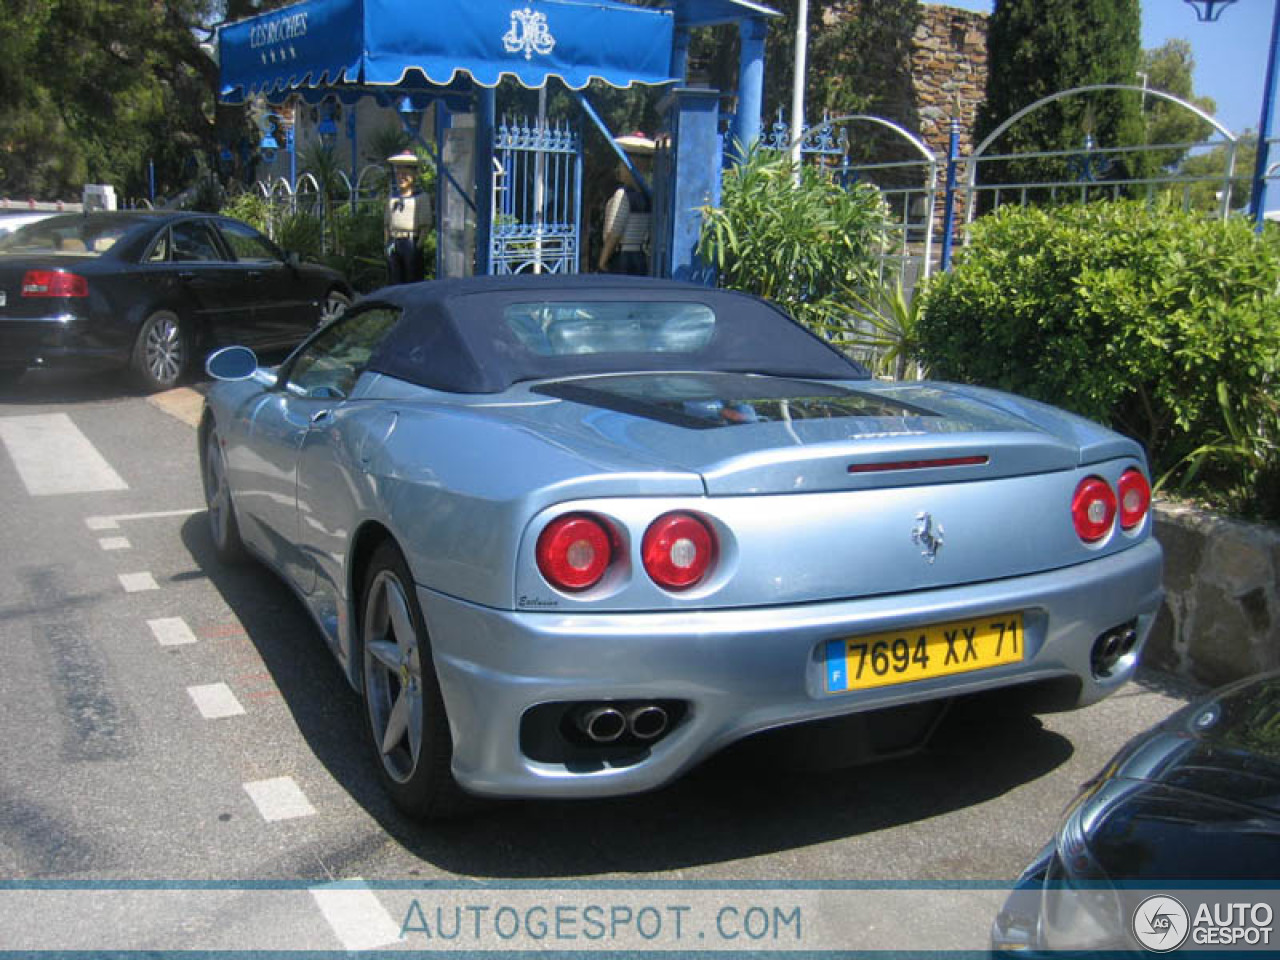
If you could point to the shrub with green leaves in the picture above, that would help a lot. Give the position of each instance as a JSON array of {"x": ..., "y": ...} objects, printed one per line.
[
  {"x": 1135, "y": 316},
  {"x": 801, "y": 245}
]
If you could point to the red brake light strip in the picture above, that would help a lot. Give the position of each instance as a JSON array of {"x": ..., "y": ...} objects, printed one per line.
[{"x": 977, "y": 461}]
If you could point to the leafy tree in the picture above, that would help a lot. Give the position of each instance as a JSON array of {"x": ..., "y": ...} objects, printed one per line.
[
  {"x": 1040, "y": 47},
  {"x": 1169, "y": 68},
  {"x": 859, "y": 58},
  {"x": 91, "y": 91}
]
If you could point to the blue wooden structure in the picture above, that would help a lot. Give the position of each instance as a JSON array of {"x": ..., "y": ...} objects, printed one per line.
[{"x": 455, "y": 52}]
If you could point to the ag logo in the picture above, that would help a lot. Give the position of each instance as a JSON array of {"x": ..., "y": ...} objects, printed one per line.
[{"x": 1161, "y": 924}]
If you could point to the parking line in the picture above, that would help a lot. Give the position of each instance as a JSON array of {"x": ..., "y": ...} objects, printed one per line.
[
  {"x": 115, "y": 543},
  {"x": 138, "y": 582},
  {"x": 53, "y": 457},
  {"x": 112, "y": 521},
  {"x": 171, "y": 631},
  {"x": 356, "y": 916},
  {"x": 215, "y": 701},
  {"x": 279, "y": 799}
]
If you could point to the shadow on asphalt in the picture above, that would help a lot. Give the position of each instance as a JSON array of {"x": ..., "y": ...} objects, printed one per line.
[
  {"x": 55, "y": 387},
  {"x": 735, "y": 806}
]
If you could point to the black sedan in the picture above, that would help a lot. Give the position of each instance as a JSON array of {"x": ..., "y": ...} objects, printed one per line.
[
  {"x": 152, "y": 292},
  {"x": 1156, "y": 849}
]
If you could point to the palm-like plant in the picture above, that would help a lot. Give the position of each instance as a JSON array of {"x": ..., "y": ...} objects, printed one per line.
[{"x": 882, "y": 329}]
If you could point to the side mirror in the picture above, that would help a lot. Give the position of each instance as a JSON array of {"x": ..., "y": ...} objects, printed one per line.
[
  {"x": 232, "y": 363},
  {"x": 293, "y": 258}
]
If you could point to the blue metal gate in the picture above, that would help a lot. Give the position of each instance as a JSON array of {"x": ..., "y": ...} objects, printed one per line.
[{"x": 537, "y": 198}]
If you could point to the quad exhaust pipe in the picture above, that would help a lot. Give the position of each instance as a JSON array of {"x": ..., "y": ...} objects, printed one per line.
[{"x": 607, "y": 724}]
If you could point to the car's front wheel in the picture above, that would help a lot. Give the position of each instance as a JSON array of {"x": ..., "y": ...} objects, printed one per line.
[
  {"x": 160, "y": 352},
  {"x": 223, "y": 527},
  {"x": 404, "y": 710}
]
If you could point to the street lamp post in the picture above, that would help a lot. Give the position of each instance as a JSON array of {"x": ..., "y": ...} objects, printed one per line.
[
  {"x": 1208, "y": 11},
  {"x": 273, "y": 123}
]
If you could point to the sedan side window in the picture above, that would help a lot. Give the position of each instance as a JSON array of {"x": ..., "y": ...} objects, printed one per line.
[
  {"x": 248, "y": 245},
  {"x": 194, "y": 242},
  {"x": 331, "y": 363}
]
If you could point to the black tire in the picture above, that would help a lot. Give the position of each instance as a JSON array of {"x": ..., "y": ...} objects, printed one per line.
[
  {"x": 224, "y": 529},
  {"x": 161, "y": 352},
  {"x": 333, "y": 305},
  {"x": 404, "y": 711}
]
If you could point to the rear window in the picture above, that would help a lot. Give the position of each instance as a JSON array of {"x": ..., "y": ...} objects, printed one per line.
[
  {"x": 574, "y": 328},
  {"x": 68, "y": 236}
]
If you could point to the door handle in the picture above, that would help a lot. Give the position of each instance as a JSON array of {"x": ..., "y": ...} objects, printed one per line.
[
  {"x": 186, "y": 275},
  {"x": 255, "y": 275},
  {"x": 321, "y": 417}
]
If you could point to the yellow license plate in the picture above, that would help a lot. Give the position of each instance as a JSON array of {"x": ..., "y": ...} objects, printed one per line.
[{"x": 937, "y": 650}]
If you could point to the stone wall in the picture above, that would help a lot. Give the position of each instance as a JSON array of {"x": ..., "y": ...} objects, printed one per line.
[
  {"x": 1221, "y": 615},
  {"x": 949, "y": 72}
]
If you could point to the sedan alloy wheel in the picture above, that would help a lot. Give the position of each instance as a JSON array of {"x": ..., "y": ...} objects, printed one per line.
[{"x": 160, "y": 355}]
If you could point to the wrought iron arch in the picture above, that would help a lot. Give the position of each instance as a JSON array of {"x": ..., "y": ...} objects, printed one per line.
[{"x": 971, "y": 173}]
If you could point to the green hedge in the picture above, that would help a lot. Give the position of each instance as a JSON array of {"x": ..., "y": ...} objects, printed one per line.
[
  {"x": 805, "y": 245},
  {"x": 1143, "y": 318}
]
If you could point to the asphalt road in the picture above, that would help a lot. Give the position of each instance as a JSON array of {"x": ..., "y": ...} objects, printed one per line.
[{"x": 190, "y": 725}]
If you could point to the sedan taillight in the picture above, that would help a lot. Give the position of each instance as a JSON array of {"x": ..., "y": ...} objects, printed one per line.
[
  {"x": 677, "y": 550},
  {"x": 1135, "y": 498},
  {"x": 1093, "y": 509},
  {"x": 574, "y": 551},
  {"x": 54, "y": 283}
]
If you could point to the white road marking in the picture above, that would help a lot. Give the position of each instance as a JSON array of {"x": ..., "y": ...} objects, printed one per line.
[
  {"x": 171, "y": 631},
  {"x": 138, "y": 582},
  {"x": 112, "y": 521},
  {"x": 279, "y": 799},
  {"x": 357, "y": 917},
  {"x": 114, "y": 543},
  {"x": 53, "y": 457},
  {"x": 215, "y": 701}
]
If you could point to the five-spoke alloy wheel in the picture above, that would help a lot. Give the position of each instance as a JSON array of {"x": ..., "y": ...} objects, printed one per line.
[{"x": 403, "y": 706}]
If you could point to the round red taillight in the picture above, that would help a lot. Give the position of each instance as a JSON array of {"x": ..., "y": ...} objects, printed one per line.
[
  {"x": 1093, "y": 509},
  {"x": 677, "y": 550},
  {"x": 1135, "y": 498},
  {"x": 574, "y": 551}
]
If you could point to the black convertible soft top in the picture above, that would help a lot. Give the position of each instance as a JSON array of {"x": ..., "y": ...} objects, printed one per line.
[{"x": 454, "y": 335}]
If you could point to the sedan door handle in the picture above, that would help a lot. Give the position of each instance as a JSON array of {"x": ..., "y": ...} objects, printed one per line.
[
  {"x": 321, "y": 417},
  {"x": 186, "y": 275},
  {"x": 255, "y": 275}
]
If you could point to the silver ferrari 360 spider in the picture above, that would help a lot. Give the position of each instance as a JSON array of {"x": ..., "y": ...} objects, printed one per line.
[{"x": 569, "y": 537}]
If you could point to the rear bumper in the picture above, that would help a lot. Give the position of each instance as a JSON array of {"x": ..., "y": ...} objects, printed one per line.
[
  {"x": 57, "y": 339},
  {"x": 745, "y": 670}
]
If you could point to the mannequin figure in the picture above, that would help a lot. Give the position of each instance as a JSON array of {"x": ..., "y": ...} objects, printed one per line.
[{"x": 408, "y": 218}]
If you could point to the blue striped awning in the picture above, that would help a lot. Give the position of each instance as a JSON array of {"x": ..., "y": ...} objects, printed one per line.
[{"x": 372, "y": 43}]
